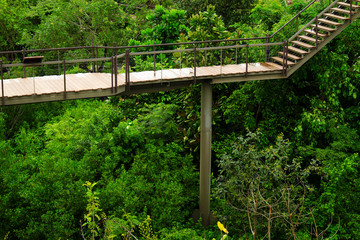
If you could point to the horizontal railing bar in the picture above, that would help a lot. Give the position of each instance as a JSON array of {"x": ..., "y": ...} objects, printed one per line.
[
  {"x": 49, "y": 49},
  {"x": 139, "y": 54},
  {"x": 161, "y": 51},
  {"x": 204, "y": 49},
  {"x": 313, "y": 20},
  {"x": 130, "y": 47},
  {"x": 56, "y": 62}
]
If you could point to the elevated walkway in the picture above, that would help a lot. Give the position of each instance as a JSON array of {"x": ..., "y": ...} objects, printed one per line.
[{"x": 249, "y": 61}]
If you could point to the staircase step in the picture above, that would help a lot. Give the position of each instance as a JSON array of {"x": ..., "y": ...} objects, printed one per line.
[
  {"x": 340, "y": 10},
  {"x": 281, "y": 60},
  {"x": 324, "y": 28},
  {"x": 336, "y": 16},
  {"x": 309, "y": 39},
  {"x": 348, "y": 5},
  {"x": 314, "y": 33},
  {"x": 297, "y": 50},
  {"x": 302, "y": 44},
  {"x": 291, "y": 56},
  {"x": 275, "y": 65},
  {"x": 330, "y": 22}
]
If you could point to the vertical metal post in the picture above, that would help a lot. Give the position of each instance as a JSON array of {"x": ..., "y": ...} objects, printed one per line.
[
  {"x": 180, "y": 60},
  {"x": 2, "y": 83},
  {"x": 112, "y": 74},
  {"x": 287, "y": 55},
  {"x": 97, "y": 56},
  {"x": 116, "y": 73},
  {"x": 195, "y": 64},
  {"x": 351, "y": 10},
  {"x": 23, "y": 58},
  {"x": 112, "y": 68},
  {"x": 205, "y": 52},
  {"x": 205, "y": 151},
  {"x": 283, "y": 59},
  {"x": 59, "y": 62},
  {"x": 266, "y": 46},
  {"x": 64, "y": 66},
  {"x": 236, "y": 54},
  {"x": 317, "y": 30},
  {"x": 154, "y": 62},
  {"x": 93, "y": 56},
  {"x": 221, "y": 61},
  {"x": 161, "y": 67},
  {"x": 247, "y": 59},
  {"x": 127, "y": 70}
]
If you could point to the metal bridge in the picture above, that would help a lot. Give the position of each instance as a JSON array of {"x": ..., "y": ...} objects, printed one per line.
[{"x": 209, "y": 62}]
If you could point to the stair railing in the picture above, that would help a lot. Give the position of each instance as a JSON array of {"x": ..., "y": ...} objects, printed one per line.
[
  {"x": 296, "y": 17},
  {"x": 313, "y": 20}
]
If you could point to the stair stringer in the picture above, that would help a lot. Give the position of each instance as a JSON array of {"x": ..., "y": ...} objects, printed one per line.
[{"x": 322, "y": 44}]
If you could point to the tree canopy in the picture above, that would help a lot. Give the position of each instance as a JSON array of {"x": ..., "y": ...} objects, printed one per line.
[{"x": 285, "y": 155}]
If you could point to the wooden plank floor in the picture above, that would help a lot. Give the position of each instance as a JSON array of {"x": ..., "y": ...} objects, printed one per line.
[{"x": 47, "y": 85}]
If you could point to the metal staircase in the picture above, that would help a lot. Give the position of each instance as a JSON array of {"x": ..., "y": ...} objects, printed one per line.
[{"x": 316, "y": 34}]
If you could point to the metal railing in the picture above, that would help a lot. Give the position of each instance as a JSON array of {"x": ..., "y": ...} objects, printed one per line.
[{"x": 200, "y": 53}]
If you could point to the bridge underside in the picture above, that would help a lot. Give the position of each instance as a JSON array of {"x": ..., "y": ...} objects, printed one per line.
[{"x": 89, "y": 85}]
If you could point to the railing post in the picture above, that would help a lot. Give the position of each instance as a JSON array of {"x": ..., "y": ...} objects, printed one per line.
[
  {"x": 93, "y": 56},
  {"x": 283, "y": 59},
  {"x": 154, "y": 61},
  {"x": 2, "y": 83},
  {"x": 116, "y": 73},
  {"x": 287, "y": 55},
  {"x": 195, "y": 64},
  {"x": 205, "y": 51},
  {"x": 58, "y": 53},
  {"x": 127, "y": 70},
  {"x": 266, "y": 47},
  {"x": 112, "y": 74},
  {"x": 351, "y": 10},
  {"x": 23, "y": 54},
  {"x": 97, "y": 56},
  {"x": 247, "y": 59},
  {"x": 64, "y": 68},
  {"x": 236, "y": 53},
  {"x": 317, "y": 30},
  {"x": 221, "y": 61}
]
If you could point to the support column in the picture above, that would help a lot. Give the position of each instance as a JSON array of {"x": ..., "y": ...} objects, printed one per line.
[{"x": 205, "y": 152}]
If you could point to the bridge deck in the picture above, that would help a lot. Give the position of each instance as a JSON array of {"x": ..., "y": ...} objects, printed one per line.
[{"x": 85, "y": 85}]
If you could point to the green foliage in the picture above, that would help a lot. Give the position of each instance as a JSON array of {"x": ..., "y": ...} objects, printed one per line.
[
  {"x": 165, "y": 25},
  {"x": 142, "y": 150},
  {"x": 265, "y": 184},
  {"x": 92, "y": 217},
  {"x": 232, "y": 11},
  {"x": 267, "y": 12},
  {"x": 146, "y": 229}
]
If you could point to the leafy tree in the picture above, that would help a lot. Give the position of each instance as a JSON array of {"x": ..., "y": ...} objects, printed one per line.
[{"x": 264, "y": 184}]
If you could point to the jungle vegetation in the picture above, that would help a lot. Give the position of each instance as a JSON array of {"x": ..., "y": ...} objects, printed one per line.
[{"x": 285, "y": 152}]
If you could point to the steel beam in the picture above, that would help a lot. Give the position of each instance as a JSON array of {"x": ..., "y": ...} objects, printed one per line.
[{"x": 205, "y": 151}]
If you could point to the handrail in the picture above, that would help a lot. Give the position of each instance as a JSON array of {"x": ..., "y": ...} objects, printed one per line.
[
  {"x": 139, "y": 54},
  {"x": 297, "y": 15},
  {"x": 134, "y": 46},
  {"x": 314, "y": 19}
]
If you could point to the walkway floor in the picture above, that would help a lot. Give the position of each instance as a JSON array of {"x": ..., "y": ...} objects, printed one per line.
[{"x": 82, "y": 82}]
